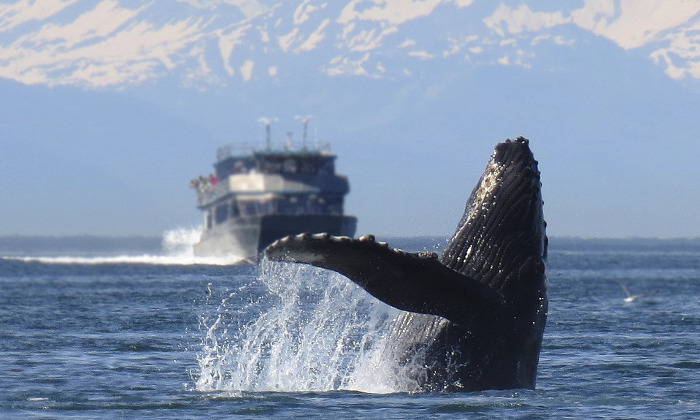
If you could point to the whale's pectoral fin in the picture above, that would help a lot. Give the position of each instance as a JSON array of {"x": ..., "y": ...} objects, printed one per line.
[{"x": 415, "y": 282}]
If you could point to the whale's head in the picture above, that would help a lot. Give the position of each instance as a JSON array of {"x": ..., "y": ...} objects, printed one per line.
[
  {"x": 501, "y": 236},
  {"x": 501, "y": 242}
]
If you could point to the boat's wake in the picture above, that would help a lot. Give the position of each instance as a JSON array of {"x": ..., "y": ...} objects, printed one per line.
[
  {"x": 176, "y": 249},
  {"x": 132, "y": 259}
]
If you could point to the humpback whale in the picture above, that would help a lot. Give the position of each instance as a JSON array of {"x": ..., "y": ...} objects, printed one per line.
[{"x": 473, "y": 318}]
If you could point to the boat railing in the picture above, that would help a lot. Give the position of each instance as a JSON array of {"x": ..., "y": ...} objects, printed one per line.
[
  {"x": 210, "y": 192},
  {"x": 248, "y": 148}
]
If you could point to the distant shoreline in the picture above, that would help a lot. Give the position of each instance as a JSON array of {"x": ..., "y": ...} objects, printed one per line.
[
  {"x": 95, "y": 244},
  {"x": 116, "y": 238}
]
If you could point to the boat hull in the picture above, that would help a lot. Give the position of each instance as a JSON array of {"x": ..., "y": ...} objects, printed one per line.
[{"x": 247, "y": 237}]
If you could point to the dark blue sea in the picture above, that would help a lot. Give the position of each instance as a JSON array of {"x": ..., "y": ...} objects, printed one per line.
[{"x": 110, "y": 329}]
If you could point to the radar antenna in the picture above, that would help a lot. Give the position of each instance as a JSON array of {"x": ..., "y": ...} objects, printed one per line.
[
  {"x": 305, "y": 119},
  {"x": 267, "y": 122}
]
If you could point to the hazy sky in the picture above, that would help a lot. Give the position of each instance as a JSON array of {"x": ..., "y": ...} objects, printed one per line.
[{"x": 110, "y": 107}]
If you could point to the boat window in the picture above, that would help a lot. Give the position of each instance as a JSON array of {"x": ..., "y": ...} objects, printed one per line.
[
  {"x": 247, "y": 209},
  {"x": 270, "y": 166},
  {"x": 221, "y": 213},
  {"x": 333, "y": 205},
  {"x": 326, "y": 167},
  {"x": 290, "y": 166},
  {"x": 234, "y": 209},
  {"x": 240, "y": 167},
  {"x": 308, "y": 166},
  {"x": 252, "y": 208}
]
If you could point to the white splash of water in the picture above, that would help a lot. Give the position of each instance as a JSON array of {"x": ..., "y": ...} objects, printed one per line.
[
  {"x": 178, "y": 244},
  {"x": 181, "y": 241},
  {"x": 298, "y": 329}
]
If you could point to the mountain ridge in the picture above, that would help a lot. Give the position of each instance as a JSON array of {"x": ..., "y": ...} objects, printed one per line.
[{"x": 118, "y": 43}]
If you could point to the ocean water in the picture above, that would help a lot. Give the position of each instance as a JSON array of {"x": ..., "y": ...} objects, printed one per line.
[{"x": 151, "y": 332}]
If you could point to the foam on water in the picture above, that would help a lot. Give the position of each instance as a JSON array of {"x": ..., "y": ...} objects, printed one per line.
[
  {"x": 306, "y": 330},
  {"x": 177, "y": 249}
]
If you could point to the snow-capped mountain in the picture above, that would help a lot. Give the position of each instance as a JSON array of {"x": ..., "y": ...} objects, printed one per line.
[
  {"x": 119, "y": 43},
  {"x": 110, "y": 107}
]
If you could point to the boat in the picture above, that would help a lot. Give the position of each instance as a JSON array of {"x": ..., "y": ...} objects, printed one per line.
[{"x": 262, "y": 192}]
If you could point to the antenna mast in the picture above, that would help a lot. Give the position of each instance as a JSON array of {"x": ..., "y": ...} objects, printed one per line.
[
  {"x": 305, "y": 121},
  {"x": 267, "y": 122}
]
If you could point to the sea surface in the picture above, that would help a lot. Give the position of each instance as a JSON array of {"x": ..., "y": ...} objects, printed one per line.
[{"x": 95, "y": 329}]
